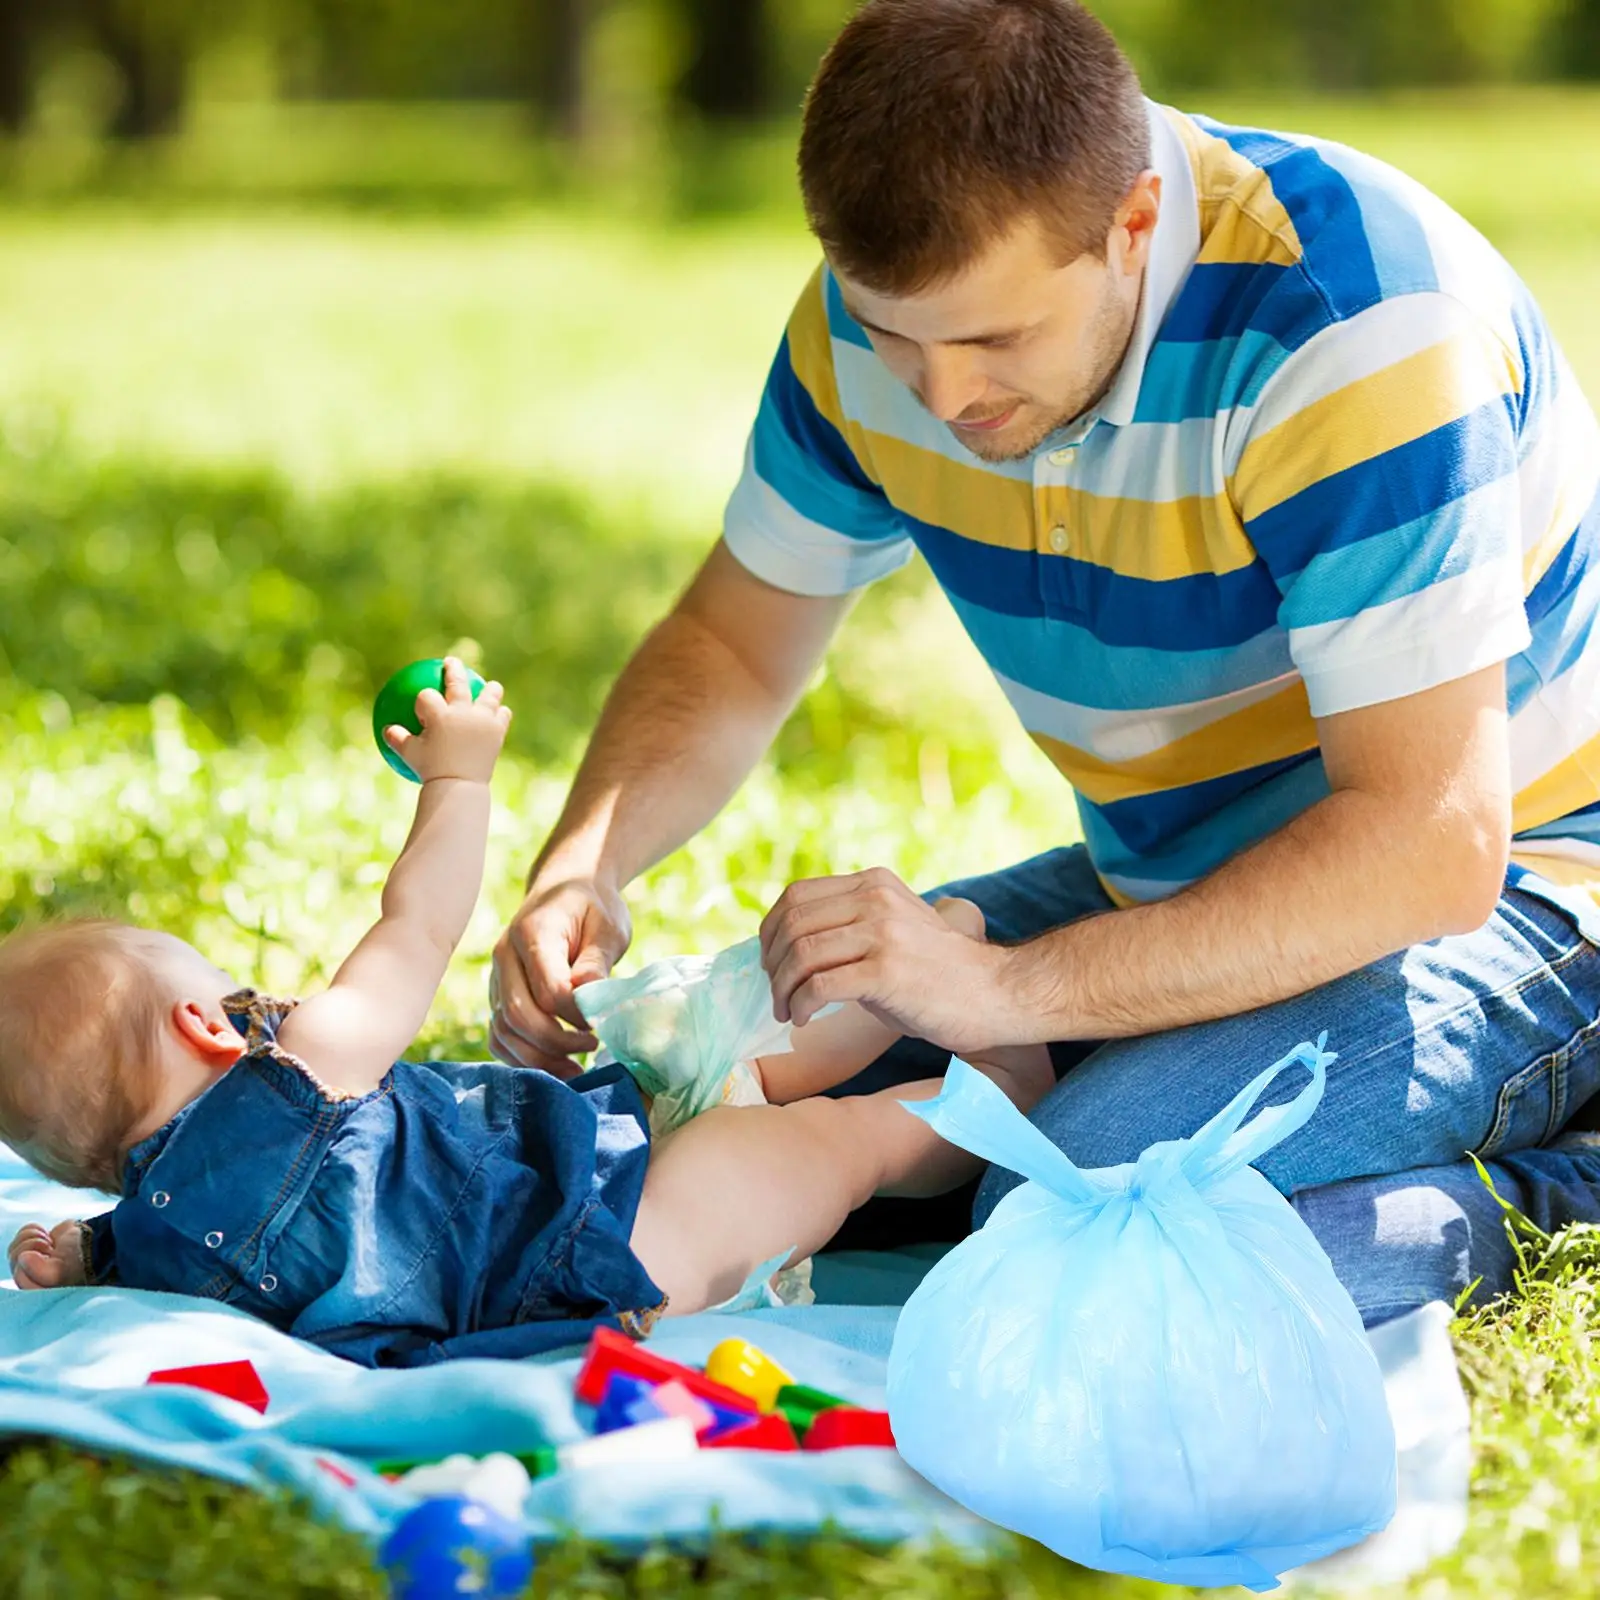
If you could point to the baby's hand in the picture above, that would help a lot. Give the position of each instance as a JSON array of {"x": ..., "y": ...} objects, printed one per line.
[
  {"x": 48, "y": 1259},
  {"x": 461, "y": 737}
]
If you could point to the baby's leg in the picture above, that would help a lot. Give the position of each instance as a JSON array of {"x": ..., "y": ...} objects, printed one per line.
[
  {"x": 831, "y": 1049},
  {"x": 739, "y": 1184}
]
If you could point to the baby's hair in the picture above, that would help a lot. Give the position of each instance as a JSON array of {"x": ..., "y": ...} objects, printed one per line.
[{"x": 80, "y": 1027}]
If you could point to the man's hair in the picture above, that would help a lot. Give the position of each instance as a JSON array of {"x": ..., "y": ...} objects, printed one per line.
[
  {"x": 934, "y": 127},
  {"x": 81, "y": 1015}
]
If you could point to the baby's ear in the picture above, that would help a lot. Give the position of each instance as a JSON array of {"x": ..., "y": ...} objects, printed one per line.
[{"x": 213, "y": 1039}]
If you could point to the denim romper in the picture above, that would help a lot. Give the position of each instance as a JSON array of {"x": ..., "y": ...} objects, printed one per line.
[{"x": 457, "y": 1210}]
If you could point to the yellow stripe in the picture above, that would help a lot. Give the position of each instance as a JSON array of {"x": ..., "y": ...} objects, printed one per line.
[
  {"x": 1568, "y": 786},
  {"x": 1120, "y": 900},
  {"x": 1270, "y": 730},
  {"x": 811, "y": 356},
  {"x": 1241, "y": 219},
  {"x": 968, "y": 500},
  {"x": 1157, "y": 540},
  {"x": 1567, "y": 874},
  {"x": 1371, "y": 416}
]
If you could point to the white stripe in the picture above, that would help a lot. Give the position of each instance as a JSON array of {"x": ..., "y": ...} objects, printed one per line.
[
  {"x": 1149, "y": 461},
  {"x": 1446, "y": 631},
  {"x": 772, "y": 540},
  {"x": 1127, "y": 735},
  {"x": 1558, "y": 721}
]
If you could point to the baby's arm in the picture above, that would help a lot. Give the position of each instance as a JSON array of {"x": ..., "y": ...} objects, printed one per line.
[{"x": 350, "y": 1034}]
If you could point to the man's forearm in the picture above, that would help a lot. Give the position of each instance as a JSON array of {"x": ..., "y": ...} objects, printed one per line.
[
  {"x": 1337, "y": 888},
  {"x": 681, "y": 730}
]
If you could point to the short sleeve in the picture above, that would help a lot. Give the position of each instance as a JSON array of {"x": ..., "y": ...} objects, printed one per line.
[
  {"x": 1379, "y": 481},
  {"x": 806, "y": 515}
]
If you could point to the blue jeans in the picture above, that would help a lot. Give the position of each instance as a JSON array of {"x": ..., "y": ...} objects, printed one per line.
[{"x": 1487, "y": 1043}]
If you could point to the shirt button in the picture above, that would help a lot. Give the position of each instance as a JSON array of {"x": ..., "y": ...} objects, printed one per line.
[
  {"x": 160, "y": 1198},
  {"x": 1058, "y": 539},
  {"x": 213, "y": 1240},
  {"x": 268, "y": 1284},
  {"x": 1059, "y": 458}
]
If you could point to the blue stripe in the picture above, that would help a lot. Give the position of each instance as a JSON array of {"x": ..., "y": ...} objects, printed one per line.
[
  {"x": 1189, "y": 856},
  {"x": 1069, "y": 663},
  {"x": 1225, "y": 299},
  {"x": 1404, "y": 485},
  {"x": 1148, "y": 823},
  {"x": 800, "y": 454},
  {"x": 840, "y": 323},
  {"x": 1573, "y": 566},
  {"x": 1583, "y": 824},
  {"x": 1347, "y": 579},
  {"x": 1207, "y": 379},
  {"x": 1402, "y": 257},
  {"x": 1202, "y": 611},
  {"x": 1335, "y": 250}
]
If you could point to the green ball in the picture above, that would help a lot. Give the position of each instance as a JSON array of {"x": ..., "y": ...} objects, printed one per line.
[{"x": 397, "y": 704}]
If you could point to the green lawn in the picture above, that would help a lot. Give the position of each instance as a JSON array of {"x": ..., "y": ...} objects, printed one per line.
[{"x": 257, "y": 448}]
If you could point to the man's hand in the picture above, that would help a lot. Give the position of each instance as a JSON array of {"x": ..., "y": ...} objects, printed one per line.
[
  {"x": 48, "y": 1258},
  {"x": 867, "y": 937},
  {"x": 461, "y": 737},
  {"x": 567, "y": 932}
]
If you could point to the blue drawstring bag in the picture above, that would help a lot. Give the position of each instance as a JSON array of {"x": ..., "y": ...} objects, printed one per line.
[{"x": 1150, "y": 1368}]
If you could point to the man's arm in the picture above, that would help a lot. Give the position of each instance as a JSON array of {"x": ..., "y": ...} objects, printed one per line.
[
  {"x": 692, "y": 713},
  {"x": 1411, "y": 845}
]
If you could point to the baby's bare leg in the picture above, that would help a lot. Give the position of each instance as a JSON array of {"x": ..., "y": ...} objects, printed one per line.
[
  {"x": 834, "y": 1048},
  {"x": 741, "y": 1183}
]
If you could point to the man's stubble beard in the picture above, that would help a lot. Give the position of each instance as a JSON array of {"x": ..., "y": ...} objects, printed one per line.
[{"x": 1111, "y": 333}]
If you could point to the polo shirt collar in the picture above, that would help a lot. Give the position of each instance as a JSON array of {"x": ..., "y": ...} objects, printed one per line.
[{"x": 1173, "y": 249}]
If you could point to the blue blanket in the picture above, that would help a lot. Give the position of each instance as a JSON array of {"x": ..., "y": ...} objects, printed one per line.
[{"x": 73, "y": 1364}]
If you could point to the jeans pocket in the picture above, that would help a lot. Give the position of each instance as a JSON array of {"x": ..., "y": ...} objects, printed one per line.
[{"x": 1530, "y": 1107}]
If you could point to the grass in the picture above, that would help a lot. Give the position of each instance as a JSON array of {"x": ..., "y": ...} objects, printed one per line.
[{"x": 257, "y": 447}]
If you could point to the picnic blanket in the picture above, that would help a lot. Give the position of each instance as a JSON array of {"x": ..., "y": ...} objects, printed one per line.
[{"x": 73, "y": 1365}]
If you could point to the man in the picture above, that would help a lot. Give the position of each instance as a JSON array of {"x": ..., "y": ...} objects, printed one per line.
[{"x": 1258, "y": 479}]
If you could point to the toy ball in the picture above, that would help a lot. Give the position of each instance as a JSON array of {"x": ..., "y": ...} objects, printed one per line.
[
  {"x": 397, "y": 704},
  {"x": 454, "y": 1546}
]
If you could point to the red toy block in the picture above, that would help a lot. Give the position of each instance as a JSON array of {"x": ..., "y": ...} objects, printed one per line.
[
  {"x": 235, "y": 1380},
  {"x": 610, "y": 1351},
  {"x": 844, "y": 1426},
  {"x": 770, "y": 1431}
]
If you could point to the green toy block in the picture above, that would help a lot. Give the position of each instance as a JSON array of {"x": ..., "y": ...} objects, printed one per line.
[{"x": 802, "y": 1404}]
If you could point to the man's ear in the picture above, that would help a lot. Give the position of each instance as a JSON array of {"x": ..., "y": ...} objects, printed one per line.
[
  {"x": 1134, "y": 226},
  {"x": 214, "y": 1041}
]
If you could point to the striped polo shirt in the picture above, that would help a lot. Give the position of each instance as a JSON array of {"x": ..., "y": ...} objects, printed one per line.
[{"x": 1343, "y": 461}]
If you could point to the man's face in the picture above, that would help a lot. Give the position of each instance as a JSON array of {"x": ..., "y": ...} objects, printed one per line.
[{"x": 1018, "y": 344}]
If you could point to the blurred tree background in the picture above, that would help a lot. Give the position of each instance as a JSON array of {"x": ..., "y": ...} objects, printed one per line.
[{"x": 580, "y": 66}]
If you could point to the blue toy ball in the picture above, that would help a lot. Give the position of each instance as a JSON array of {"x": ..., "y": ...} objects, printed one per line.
[{"x": 454, "y": 1546}]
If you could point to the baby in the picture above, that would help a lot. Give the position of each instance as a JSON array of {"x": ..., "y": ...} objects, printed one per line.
[{"x": 276, "y": 1156}]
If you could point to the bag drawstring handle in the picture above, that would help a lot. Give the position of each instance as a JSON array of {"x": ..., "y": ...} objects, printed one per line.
[
  {"x": 1226, "y": 1143},
  {"x": 973, "y": 1112}
]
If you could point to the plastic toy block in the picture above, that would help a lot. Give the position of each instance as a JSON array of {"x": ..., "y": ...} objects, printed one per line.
[
  {"x": 610, "y": 1351},
  {"x": 673, "y": 1400},
  {"x": 770, "y": 1431},
  {"x": 845, "y": 1426},
  {"x": 801, "y": 1404},
  {"x": 666, "y": 1440},
  {"x": 235, "y": 1380},
  {"x": 627, "y": 1400},
  {"x": 741, "y": 1366},
  {"x": 541, "y": 1463}
]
